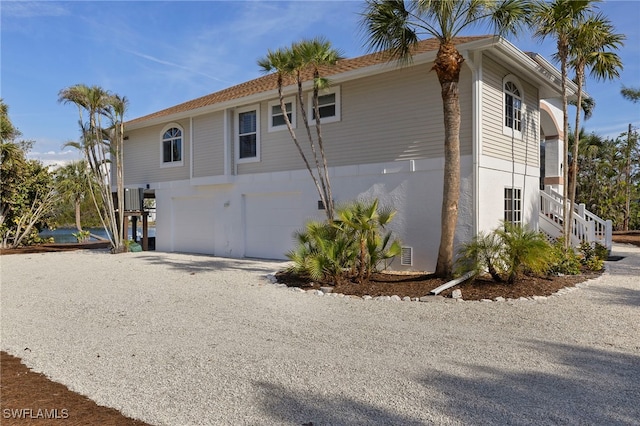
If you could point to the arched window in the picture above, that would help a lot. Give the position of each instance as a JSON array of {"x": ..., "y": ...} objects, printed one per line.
[
  {"x": 172, "y": 146},
  {"x": 512, "y": 106}
]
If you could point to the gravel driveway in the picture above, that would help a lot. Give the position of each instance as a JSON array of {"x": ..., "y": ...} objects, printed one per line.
[{"x": 176, "y": 339}]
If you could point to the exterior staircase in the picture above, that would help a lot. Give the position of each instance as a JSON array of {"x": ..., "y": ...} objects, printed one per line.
[{"x": 586, "y": 225}]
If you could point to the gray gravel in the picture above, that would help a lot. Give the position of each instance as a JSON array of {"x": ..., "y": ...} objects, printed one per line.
[{"x": 176, "y": 339}]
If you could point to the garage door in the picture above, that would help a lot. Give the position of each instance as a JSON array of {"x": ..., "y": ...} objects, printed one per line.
[
  {"x": 270, "y": 220},
  {"x": 193, "y": 225}
]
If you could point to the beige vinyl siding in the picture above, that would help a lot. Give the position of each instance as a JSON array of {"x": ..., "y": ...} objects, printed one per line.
[
  {"x": 388, "y": 117},
  {"x": 494, "y": 142},
  {"x": 208, "y": 145},
  {"x": 142, "y": 156}
]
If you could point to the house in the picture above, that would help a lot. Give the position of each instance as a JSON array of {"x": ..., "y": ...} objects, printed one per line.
[{"x": 229, "y": 181}]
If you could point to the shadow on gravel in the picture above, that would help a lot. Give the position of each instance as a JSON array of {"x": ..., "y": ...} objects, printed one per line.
[
  {"x": 582, "y": 386},
  {"x": 200, "y": 262},
  {"x": 620, "y": 296},
  {"x": 285, "y": 406}
]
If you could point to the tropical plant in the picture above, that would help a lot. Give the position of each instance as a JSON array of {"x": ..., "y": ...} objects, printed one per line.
[
  {"x": 631, "y": 94},
  {"x": 482, "y": 254},
  {"x": 564, "y": 260},
  {"x": 395, "y": 25},
  {"x": 73, "y": 185},
  {"x": 353, "y": 243},
  {"x": 507, "y": 253},
  {"x": 101, "y": 117},
  {"x": 557, "y": 19},
  {"x": 592, "y": 256},
  {"x": 291, "y": 63},
  {"x": 27, "y": 195},
  {"x": 590, "y": 45},
  {"x": 363, "y": 222},
  {"x": 322, "y": 252}
]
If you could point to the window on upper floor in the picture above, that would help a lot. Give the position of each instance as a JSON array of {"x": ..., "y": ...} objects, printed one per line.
[
  {"x": 513, "y": 205},
  {"x": 276, "y": 116},
  {"x": 248, "y": 134},
  {"x": 512, "y": 107},
  {"x": 328, "y": 106},
  {"x": 172, "y": 146}
]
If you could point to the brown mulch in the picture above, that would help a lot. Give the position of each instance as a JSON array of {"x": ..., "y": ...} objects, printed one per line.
[
  {"x": 30, "y": 398},
  {"x": 419, "y": 285},
  {"x": 32, "y": 393},
  {"x": 51, "y": 247}
]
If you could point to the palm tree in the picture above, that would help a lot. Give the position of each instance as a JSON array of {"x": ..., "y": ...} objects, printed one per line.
[
  {"x": 96, "y": 145},
  {"x": 292, "y": 62},
  {"x": 590, "y": 43},
  {"x": 631, "y": 94},
  {"x": 395, "y": 25},
  {"x": 557, "y": 19},
  {"x": 72, "y": 185}
]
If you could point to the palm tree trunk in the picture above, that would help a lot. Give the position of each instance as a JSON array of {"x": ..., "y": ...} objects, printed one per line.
[
  {"x": 78, "y": 222},
  {"x": 447, "y": 66},
  {"x": 566, "y": 214},
  {"x": 576, "y": 143}
]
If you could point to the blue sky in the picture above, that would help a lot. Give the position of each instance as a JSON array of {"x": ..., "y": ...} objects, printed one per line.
[{"x": 159, "y": 54}]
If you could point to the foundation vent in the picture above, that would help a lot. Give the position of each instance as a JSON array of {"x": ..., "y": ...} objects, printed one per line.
[{"x": 406, "y": 256}]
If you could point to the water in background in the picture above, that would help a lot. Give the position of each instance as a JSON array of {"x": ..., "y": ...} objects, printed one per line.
[{"x": 65, "y": 235}]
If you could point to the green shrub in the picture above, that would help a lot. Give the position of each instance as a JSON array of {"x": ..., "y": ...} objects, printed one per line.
[
  {"x": 353, "y": 243},
  {"x": 602, "y": 252},
  {"x": 590, "y": 256},
  {"x": 507, "y": 253},
  {"x": 564, "y": 261}
]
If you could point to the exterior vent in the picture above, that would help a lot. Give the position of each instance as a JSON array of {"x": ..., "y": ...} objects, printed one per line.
[{"x": 406, "y": 256}]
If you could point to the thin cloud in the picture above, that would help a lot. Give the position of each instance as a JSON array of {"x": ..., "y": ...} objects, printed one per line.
[
  {"x": 174, "y": 65},
  {"x": 27, "y": 9}
]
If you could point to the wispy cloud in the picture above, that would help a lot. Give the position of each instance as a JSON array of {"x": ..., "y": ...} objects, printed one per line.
[
  {"x": 174, "y": 65},
  {"x": 28, "y": 9}
]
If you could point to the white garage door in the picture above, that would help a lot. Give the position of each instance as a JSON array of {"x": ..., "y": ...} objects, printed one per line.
[
  {"x": 193, "y": 225},
  {"x": 270, "y": 220}
]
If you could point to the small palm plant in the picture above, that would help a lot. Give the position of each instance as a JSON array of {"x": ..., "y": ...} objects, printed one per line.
[
  {"x": 352, "y": 244},
  {"x": 322, "y": 252},
  {"x": 363, "y": 221},
  {"x": 507, "y": 253},
  {"x": 525, "y": 251}
]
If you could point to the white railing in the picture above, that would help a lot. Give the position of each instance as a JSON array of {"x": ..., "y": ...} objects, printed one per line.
[{"x": 586, "y": 226}]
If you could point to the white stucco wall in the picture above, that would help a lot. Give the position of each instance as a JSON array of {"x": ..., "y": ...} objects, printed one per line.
[{"x": 413, "y": 188}]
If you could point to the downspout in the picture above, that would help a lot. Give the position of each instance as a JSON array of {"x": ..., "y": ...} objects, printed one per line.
[
  {"x": 227, "y": 142},
  {"x": 474, "y": 59},
  {"x": 191, "y": 148}
]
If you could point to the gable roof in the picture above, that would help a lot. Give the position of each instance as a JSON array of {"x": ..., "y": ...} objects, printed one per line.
[{"x": 269, "y": 82}]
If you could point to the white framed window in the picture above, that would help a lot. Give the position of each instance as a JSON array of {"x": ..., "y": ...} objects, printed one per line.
[
  {"x": 328, "y": 105},
  {"x": 513, "y": 96},
  {"x": 247, "y": 134},
  {"x": 171, "y": 146},
  {"x": 513, "y": 205},
  {"x": 276, "y": 116}
]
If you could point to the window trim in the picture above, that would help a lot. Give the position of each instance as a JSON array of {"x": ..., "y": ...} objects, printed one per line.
[
  {"x": 290, "y": 100},
  {"x": 512, "y": 210},
  {"x": 338, "y": 117},
  {"x": 168, "y": 164},
  {"x": 236, "y": 134},
  {"x": 506, "y": 130}
]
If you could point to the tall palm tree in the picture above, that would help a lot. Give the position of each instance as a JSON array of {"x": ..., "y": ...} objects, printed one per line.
[
  {"x": 395, "y": 25},
  {"x": 291, "y": 63},
  {"x": 590, "y": 45},
  {"x": 557, "y": 19},
  {"x": 99, "y": 104},
  {"x": 72, "y": 185}
]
